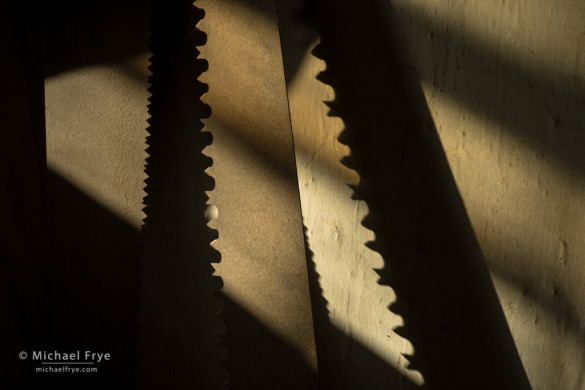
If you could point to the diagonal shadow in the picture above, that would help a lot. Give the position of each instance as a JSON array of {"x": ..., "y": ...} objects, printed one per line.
[
  {"x": 93, "y": 286},
  {"x": 102, "y": 31},
  {"x": 258, "y": 358},
  {"x": 344, "y": 362},
  {"x": 538, "y": 107},
  {"x": 432, "y": 260},
  {"x": 368, "y": 371},
  {"x": 95, "y": 258},
  {"x": 101, "y": 314},
  {"x": 83, "y": 33},
  {"x": 178, "y": 342},
  {"x": 386, "y": 214}
]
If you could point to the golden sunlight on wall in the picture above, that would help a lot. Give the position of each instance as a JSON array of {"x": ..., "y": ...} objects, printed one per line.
[
  {"x": 504, "y": 83},
  {"x": 85, "y": 109},
  {"x": 431, "y": 138}
]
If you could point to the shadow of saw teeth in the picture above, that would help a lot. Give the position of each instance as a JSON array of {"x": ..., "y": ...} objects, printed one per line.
[
  {"x": 418, "y": 227},
  {"x": 360, "y": 322},
  {"x": 179, "y": 334},
  {"x": 357, "y": 346}
]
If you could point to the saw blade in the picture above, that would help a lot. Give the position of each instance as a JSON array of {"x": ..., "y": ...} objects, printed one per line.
[
  {"x": 267, "y": 311},
  {"x": 179, "y": 343}
]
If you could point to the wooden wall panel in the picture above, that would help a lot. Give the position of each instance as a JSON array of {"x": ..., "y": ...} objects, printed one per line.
[{"x": 501, "y": 86}]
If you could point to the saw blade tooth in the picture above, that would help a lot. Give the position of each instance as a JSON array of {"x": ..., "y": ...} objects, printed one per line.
[{"x": 179, "y": 339}]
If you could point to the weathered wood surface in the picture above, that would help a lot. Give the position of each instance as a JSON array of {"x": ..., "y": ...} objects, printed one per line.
[
  {"x": 505, "y": 83},
  {"x": 502, "y": 87},
  {"x": 464, "y": 125}
]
